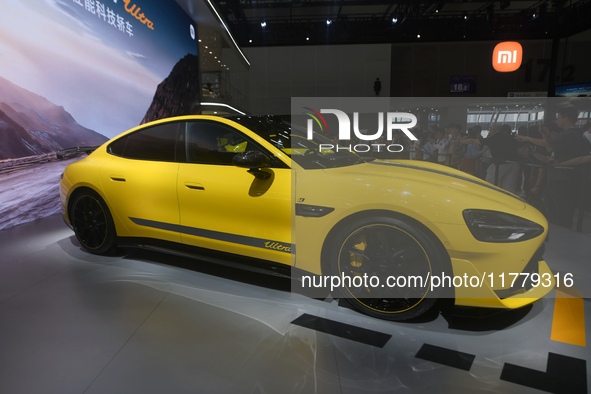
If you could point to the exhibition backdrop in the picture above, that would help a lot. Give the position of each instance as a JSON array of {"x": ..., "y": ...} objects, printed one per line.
[{"x": 77, "y": 72}]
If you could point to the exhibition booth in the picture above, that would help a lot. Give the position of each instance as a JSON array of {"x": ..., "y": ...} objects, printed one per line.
[{"x": 163, "y": 261}]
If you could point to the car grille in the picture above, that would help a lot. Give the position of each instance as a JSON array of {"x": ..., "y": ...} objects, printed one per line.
[{"x": 519, "y": 286}]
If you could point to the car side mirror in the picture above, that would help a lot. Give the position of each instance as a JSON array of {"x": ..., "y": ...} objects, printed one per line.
[{"x": 254, "y": 161}]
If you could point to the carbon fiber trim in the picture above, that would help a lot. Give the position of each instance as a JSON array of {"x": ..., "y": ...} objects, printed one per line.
[
  {"x": 519, "y": 286},
  {"x": 313, "y": 211},
  {"x": 221, "y": 236}
]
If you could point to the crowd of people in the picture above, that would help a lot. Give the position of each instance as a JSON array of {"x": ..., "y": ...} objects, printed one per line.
[{"x": 547, "y": 165}]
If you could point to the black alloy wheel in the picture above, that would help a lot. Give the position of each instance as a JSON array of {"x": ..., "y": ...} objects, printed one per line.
[
  {"x": 382, "y": 248},
  {"x": 92, "y": 222}
]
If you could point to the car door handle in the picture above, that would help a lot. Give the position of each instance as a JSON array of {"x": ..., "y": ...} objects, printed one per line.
[
  {"x": 194, "y": 186},
  {"x": 117, "y": 179}
]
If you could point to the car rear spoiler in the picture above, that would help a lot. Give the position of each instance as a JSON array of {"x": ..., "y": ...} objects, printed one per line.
[{"x": 71, "y": 152}]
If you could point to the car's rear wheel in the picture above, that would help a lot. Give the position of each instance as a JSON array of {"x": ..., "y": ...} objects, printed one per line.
[
  {"x": 402, "y": 256},
  {"x": 92, "y": 222}
]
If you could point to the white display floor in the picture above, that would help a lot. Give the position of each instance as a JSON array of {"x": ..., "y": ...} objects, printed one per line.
[{"x": 71, "y": 322}]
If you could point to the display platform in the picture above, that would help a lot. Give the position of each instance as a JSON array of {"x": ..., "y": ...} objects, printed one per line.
[{"x": 72, "y": 322}]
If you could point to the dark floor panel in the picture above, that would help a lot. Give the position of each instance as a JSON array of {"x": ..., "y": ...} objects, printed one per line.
[
  {"x": 347, "y": 331},
  {"x": 449, "y": 357},
  {"x": 563, "y": 375}
]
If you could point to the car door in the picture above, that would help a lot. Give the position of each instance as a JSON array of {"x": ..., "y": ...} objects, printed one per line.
[
  {"x": 140, "y": 181},
  {"x": 227, "y": 208}
]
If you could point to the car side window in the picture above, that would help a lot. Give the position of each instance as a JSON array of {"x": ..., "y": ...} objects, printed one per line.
[
  {"x": 163, "y": 142},
  {"x": 215, "y": 143}
]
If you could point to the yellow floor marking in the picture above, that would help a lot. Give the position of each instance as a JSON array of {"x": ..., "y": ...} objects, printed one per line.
[{"x": 568, "y": 323}]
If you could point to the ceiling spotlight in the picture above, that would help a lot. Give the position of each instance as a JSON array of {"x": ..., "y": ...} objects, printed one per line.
[
  {"x": 394, "y": 20},
  {"x": 263, "y": 24},
  {"x": 250, "y": 41},
  {"x": 418, "y": 36},
  {"x": 328, "y": 22},
  {"x": 307, "y": 38}
]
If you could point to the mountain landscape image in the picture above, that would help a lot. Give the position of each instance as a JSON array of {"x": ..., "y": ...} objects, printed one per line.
[
  {"x": 31, "y": 125},
  {"x": 69, "y": 79},
  {"x": 32, "y": 129},
  {"x": 177, "y": 94}
]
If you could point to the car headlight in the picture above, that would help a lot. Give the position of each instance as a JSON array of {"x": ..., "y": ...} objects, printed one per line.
[{"x": 493, "y": 226}]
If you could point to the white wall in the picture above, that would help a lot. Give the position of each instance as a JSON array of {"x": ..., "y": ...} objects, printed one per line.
[{"x": 279, "y": 73}]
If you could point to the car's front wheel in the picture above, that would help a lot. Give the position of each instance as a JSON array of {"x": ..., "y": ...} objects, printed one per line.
[
  {"x": 92, "y": 222},
  {"x": 385, "y": 265}
]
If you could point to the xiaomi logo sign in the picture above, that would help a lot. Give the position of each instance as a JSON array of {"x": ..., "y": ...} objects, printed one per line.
[{"x": 507, "y": 56}]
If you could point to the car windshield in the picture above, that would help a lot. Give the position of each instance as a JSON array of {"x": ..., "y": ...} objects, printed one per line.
[{"x": 319, "y": 153}]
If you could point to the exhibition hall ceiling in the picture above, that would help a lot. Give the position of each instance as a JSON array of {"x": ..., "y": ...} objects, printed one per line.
[{"x": 301, "y": 22}]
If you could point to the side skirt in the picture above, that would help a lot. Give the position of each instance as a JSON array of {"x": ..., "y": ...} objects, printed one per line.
[{"x": 208, "y": 255}]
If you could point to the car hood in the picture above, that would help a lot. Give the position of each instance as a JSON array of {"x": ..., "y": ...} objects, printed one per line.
[{"x": 437, "y": 177}]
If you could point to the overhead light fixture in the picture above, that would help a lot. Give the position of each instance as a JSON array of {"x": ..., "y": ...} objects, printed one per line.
[
  {"x": 439, "y": 6},
  {"x": 328, "y": 22},
  {"x": 394, "y": 20},
  {"x": 263, "y": 24},
  {"x": 228, "y": 31},
  {"x": 223, "y": 105},
  {"x": 250, "y": 41},
  {"x": 419, "y": 35}
]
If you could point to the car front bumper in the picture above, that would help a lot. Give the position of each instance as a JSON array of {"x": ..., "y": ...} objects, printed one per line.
[{"x": 502, "y": 289}]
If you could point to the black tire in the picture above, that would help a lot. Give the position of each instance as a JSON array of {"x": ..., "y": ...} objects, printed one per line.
[
  {"x": 92, "y": 222},
  {"x": 387, "y": 246}
]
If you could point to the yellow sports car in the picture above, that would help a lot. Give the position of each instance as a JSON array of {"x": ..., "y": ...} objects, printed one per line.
[{"x": 390, "y": 236}]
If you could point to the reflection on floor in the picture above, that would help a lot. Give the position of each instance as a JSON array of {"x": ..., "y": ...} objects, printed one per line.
[{"x": 71, "y": 322}]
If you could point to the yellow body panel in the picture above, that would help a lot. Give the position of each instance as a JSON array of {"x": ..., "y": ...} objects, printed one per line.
[{"x": 232, "y": 201}]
